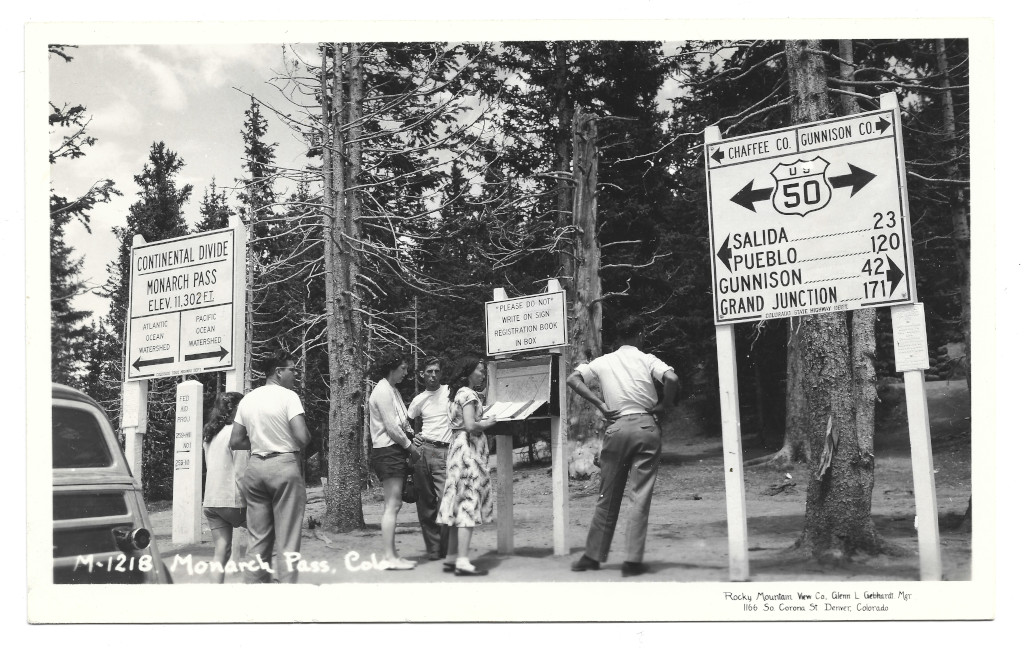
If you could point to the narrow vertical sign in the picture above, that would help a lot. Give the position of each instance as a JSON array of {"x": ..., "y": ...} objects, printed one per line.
[
  {"x": 910, "y": 338},
  {"x": 188, "y": 467}
]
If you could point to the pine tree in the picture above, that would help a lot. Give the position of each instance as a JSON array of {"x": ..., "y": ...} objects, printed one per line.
[
  {"x": 214, "y": 211},
  {"x": 70, "y": 337},
  {"x": 157, "y": 215}
]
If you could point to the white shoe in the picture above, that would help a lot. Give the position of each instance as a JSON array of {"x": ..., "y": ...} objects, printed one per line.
[{"x": 399, "y": 563}]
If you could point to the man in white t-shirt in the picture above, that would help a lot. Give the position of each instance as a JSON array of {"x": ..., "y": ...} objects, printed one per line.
[
  {"x": 631, "y": 444},
  {"x": 429, "y": 414},
  {"x": 270, "y": 422}
]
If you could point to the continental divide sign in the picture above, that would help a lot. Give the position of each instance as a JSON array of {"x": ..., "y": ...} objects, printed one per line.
[
  {"x": 180, "y": 309},
  {"x": 809, "y": 219}
]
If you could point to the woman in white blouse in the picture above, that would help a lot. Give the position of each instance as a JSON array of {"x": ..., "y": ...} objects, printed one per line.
[
  {"x": 392, "y": 450},
  {"x": 224, "y": 499}
]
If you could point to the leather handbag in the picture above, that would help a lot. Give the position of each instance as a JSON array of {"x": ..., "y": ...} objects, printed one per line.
[{"x": 409, "y": 491}]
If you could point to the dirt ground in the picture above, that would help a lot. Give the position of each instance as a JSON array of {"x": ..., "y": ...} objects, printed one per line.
[{"x": 687, "y": 537}]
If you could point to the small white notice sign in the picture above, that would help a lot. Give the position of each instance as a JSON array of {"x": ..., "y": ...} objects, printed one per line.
[
  {"x": 525, "y": 323},
  {"x": 909, "y": 337}
]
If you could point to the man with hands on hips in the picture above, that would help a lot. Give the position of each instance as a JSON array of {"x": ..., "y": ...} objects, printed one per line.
[{"x": 631, "y": 442}]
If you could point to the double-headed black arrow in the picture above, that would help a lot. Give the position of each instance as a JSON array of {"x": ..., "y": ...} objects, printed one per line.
[
  {"x": 894, "y": 275},
  {"x": 857, "y": 179},
  {"x": 194, "y": 357},
  {"x": 139, "y": 363}
]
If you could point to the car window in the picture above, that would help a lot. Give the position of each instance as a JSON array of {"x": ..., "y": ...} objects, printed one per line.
[
  {"x": 78, "y": 441},
  {"x": 76, "y": 504}
]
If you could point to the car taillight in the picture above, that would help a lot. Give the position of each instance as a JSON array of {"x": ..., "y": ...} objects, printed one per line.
[{"x": 131, "y": 540}]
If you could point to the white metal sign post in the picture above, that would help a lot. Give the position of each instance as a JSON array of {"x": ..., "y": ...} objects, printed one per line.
[
  {"x": 234, "y": 377},
  {"x": 515, "y": 389},
  {"x": 732, "y": 446},
  {"x": 186, "y": 315},
  {"x": 910, "y": 340},
  {"x": 805, "y": 220}
]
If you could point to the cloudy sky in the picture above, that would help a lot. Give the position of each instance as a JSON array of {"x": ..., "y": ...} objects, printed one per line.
[{"x": 192, "y": 97}]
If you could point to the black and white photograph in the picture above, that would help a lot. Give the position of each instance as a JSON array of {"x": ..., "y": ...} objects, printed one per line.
[{"x": 664, "y": 322}]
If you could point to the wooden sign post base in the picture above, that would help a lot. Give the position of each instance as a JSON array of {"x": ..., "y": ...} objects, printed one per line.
[{"x": 559, "y": 461}]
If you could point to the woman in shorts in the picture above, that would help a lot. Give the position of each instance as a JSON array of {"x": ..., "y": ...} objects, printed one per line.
[
  {"x": 223, "y": 500},
  {"x": 392, "y": 450}
]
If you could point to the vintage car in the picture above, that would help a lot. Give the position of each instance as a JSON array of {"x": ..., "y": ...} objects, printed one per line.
[{"x": 101, "y": 530}]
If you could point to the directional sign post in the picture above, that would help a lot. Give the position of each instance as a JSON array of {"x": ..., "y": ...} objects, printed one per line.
[
  {"x": 185, "y": 316},
  {"x": 181, "y": 315},
  {"x": 809, "y": 219}
]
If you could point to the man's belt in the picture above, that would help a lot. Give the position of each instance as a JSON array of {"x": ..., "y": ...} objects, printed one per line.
[
  {"x": 273, "y": 454},
  {"x": 436, "y": 444},
  {"x": 636, "y": 414}
]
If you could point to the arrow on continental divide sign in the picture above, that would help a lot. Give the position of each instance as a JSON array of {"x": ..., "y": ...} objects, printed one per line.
[
  {"x": 219, "y": 355},
  {"x": 139, "y": 363}
]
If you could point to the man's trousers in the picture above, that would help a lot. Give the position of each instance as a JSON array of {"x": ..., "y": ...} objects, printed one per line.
[
  {"x": 632, "y": 444},
  {"x": 429, "y": 474},
  {"x": 275, "y": 495}
]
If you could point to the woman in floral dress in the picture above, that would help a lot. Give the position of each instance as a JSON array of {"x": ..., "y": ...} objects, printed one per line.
[{"x": 467, "y": 500}]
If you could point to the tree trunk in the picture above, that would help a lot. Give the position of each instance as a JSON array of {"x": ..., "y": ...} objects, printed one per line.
[
  {"x": 344, "y": 509},
  {"x": 957, "y": 205},
  {"x": 837, "y": 522},
  {"x": 584, "y": 422},
  {"x": 863, "y": 347},
  {"x": 961, "y": 224},
  {"x": 564, "y": 139},
  {"x": 794, "y": 444}
]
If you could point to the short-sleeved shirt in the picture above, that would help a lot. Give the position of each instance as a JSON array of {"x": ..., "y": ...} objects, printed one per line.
[
  {"x": 627, "y": 378},
  {"x": 433, "y": 408},
  {"x": 462, "y": 398},
  {"x": 224, "y": 472},
  {"x": 265, "y": 413},
  {"x": 387, "y": 412}
]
